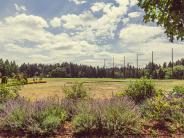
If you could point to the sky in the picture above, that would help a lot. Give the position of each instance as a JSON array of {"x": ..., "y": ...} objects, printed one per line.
[{"x": 81, "y": 31}]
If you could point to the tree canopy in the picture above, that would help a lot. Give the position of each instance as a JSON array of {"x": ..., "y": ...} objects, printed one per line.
[
  {"x": 166, "y": 13},
  {"x": 71, "y": 70}
]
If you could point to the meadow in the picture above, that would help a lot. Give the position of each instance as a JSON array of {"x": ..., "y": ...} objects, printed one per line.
[{"x": 97, "y": 87}]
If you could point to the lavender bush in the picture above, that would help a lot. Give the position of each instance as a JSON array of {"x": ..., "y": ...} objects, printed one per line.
[
  {"x": 40, "y": 117},
  {"x": 116, "y": 116}
]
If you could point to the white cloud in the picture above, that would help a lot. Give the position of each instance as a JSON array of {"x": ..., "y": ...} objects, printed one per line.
[
  {"x": 101, "y": 6},
  {"x": 73, "y": 21},
  {"x": 55, "y": 22},
  {"x": 78, "y": 1},
  {"x": 135, "y": 33},
  {"x": 92, "y": 28},
  {"x": 134, "y": 14},
  {"x": 26, "y": 36},
  {"x": 20, "y": 8},
  {"x": 26, "y": 20}
]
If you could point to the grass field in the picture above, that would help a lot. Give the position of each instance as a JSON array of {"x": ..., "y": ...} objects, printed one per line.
[{"x": 98, "y": 88}]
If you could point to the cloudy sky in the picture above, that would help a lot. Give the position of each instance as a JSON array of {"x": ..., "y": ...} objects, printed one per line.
[{"x": 80, "y": 31}]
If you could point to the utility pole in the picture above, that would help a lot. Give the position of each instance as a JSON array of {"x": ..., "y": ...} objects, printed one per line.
[
  {"x": 113, "y": 67},
  {"x": 152, "y": 65},
  {"x": 137, "y": 65},
  {"x": 138, "y": 54},
  {"x": 124, "y": 67},
  {"x": 172, "y": 63},
  {"x": 104, "y": 63}
]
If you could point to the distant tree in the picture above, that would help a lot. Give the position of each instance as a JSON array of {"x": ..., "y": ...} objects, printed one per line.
[
  {"x": 170, "y": 64},
  {"x": 58, "y": 72},
  {"x": 166, "y": 13},
  {"x": 161, "y": 74},
  {"x": 164, "y": 65}
]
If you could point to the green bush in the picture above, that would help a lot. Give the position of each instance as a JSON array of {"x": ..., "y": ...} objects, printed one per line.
[
  {"x": 8, "y": 92},
  {"x": 4, "y": 80},
  {"x": 75, "y": 92},
  {"x": 21, "y": 78},
  {"x": 140, "y": 90},
  {"x": 166, "y": 112},
  {"x": 178, "y": 90},
  {"x": 157, "y": 108}
]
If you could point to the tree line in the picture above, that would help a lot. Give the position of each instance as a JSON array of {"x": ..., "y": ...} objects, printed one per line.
[{"x": 71, "y": 70}]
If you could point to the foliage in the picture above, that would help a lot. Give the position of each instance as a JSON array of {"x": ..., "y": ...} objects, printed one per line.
[
  {"x": 178, "y": 90},
  {"x": 9, "y": 91},
  {"x": 116, "y": 116},
  {"x": 21, "y": 78},
  {"x": 120, "y": 120},
  {"x": 84, "y": 122},
  {"x": 167, "y": 13},
  {"x": 15, "y": 120},
  {"x": 40, "y": 117},
  {"x": 4, "y": 80},
  {"x": 165, "y": 110},
  {"x": 46, "y": 120},
  {"x": 70, "y": 70},
  {"x": 76, "y": 91},
  {"x": 140, "y": 90},
  {"x": 157, "y": 108}
]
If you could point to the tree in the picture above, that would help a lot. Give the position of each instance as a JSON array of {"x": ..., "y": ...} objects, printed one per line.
[
  {"x": 166, "y": 13},
  {"x": 161, "y": 73}
]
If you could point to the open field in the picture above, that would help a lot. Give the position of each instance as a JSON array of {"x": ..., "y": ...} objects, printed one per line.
[{"x": 98, "y": 88}]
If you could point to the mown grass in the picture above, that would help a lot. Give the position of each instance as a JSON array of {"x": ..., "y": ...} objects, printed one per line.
[{"x": 98, "y": 87}]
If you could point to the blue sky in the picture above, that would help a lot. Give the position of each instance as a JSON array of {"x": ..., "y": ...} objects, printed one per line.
[{"x": 80, "y": 31}]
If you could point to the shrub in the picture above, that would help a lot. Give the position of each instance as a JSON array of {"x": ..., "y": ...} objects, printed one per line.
[
  {"x": 75, "y": 92},
  {"x": 12, "y": 115},
  {"x": 4, "y": 80},
  {"x": 157, "y": 108},
  {"x": 84, "y": 122},
  {"x": 70, "y": 106},
  {"x": 15, "y": 120},
  {"x": 47, "y": 120},
  {"x": 165, "y": 111},
  {"x": 140, "y": 90},
  {"x": 116, "y": 116},
  {"x": 121, "y": 117},
  {"x": 20, "y": 78},
  {"x": 40, "y": 117},
  {"x": 178, "y": 90},
  {"x": 8, "y": 92}
]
